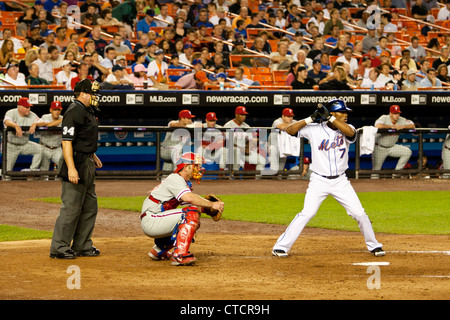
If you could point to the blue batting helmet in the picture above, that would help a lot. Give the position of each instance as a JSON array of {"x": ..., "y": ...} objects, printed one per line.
[{"x": 337, "y": 106}]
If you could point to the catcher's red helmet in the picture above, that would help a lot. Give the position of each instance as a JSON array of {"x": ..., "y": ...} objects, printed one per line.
[{"x": 191, "y": 158}]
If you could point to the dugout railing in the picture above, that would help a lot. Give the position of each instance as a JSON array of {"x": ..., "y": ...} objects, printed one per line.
[{"x": 146, "y": 149}]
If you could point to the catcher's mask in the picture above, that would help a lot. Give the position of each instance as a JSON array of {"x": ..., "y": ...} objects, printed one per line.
[
  {"x": 92, "y": 88},
  {"x": 196, "y": 160}
]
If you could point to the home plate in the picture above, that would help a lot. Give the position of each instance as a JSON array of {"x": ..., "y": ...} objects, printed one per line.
[{"x": 378, "y": 263}]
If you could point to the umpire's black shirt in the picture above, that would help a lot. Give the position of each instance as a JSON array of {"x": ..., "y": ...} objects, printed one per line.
[{"x": 80, "y": 126}]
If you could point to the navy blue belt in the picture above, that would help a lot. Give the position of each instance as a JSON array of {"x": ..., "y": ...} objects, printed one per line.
[{"x": 328, "y": 177}]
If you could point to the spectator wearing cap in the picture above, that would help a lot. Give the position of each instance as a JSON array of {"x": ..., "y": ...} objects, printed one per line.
[
  {"x": 65, "y": 76},
  {"x": 157, "y": 71},
  {"x": 122, "y": 61},
  {"x": 316, "y": 72},
  {"x": 45, "y": 66},
  {"x": 118, "y": 76},
  {"x": 18, "y": 142},
  {"x": 410, "y": 84},
  {"x": 175, "y": 64},
  {"x": 431, "y": 80},
  {"x": 171, "y": 148},
  {"x": 295, "y": 27},
  {"x": 51, "y": 140},
  {"x": 197, "y": 64},
  {"x": 49, "y": 40},
  {"x": 187, "y": 57},
  {"x": 164, "y": 15},
  {"x": 302, "y": 82},
  {"x": 116, "y": 43},
  {"x": 13, "y": 76},
  {"x": 193, "y": 80},
  {"x": 143, "y": 26},
  {"x": 370, "y": 39},
  {"x": 151, "y": 49},
  {"x": 139, "y": 75},
  {"x": 220, "y": 14}
]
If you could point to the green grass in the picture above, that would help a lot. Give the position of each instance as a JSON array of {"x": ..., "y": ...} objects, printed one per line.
[
  {"x": 12, "y": 233},
  {"x": 406, "y": 212}
]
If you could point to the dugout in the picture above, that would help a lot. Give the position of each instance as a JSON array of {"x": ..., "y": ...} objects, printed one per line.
[{"x": 156, "y": 108}]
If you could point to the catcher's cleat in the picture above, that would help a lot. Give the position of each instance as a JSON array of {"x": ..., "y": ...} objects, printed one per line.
[
  {"x": 279, "y": 253},
  {"x": 186, "y": 260},
  {"x": 378, "y": 252},
  {"x": 159, "y": 256}
]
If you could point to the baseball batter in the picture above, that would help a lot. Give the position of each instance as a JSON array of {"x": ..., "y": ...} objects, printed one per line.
[
  {"x": 169, "y": 225},
  {"x": 330, "y": 142},
  {"x": 385, "y": 143}
]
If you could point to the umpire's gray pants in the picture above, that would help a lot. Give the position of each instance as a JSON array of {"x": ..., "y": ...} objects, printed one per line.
[{"x": 78, "y": 212}]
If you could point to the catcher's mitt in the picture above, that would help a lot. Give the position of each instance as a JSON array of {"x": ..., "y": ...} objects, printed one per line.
[{"x": 215, "y": 214}]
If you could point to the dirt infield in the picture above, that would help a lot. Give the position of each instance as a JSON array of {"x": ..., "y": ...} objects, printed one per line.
[{"x": 234, "y": 260}]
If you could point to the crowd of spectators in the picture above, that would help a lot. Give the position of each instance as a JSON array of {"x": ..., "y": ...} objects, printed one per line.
[{"x": 317, "y": 44}]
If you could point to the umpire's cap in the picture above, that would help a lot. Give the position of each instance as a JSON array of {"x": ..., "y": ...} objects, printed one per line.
[
  {"x": 337, "y": 105},
  {"x": 83, "y": 86}
]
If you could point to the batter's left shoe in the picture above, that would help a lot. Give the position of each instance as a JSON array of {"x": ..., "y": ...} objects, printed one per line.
[
  {"x": 279, "y": 253},
  {"x": 378, "y": 252}
]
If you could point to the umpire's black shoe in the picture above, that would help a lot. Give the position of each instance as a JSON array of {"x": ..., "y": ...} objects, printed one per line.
[
  {"x": 69, "y": 254},
  {"x": 92, "y": 252}
]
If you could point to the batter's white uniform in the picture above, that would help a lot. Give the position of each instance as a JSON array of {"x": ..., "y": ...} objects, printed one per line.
[
  {"x": 22, "y": 145},
  {"x": 51, "y": 143},
  {"x": 329, "y": 150},
  {"x": 159, "y": 214}
]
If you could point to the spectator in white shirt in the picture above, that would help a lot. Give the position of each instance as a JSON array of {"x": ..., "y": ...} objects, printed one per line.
[
  {"x": 386, "y": 19},
  {"x": 13, "y": 76},
  {"x": 163, "y": 14},
  {"x": 347, "y": 58},
  {"x": 444, "y": 13},
  {"x": 44, "y": 64},
  {"x": 372, "y": 81},
  {"x": 65, "y": 76}
]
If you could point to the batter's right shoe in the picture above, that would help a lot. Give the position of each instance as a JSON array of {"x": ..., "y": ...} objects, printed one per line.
[
  {"x": 279, "y": 253},
  {"x": 378, "y": 252},
  {"x": 186, "y": 260}
]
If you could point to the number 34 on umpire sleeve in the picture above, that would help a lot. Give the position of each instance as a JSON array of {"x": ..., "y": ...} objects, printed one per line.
[{"x": 68, "y": 131}]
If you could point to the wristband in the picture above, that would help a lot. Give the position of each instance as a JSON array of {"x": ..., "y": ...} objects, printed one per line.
[
  {"x": 308, "y": 120},
  {"x": 332, "y": 118}
]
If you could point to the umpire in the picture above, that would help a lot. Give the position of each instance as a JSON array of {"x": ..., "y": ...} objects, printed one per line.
[{"x": 76, "y": 220}]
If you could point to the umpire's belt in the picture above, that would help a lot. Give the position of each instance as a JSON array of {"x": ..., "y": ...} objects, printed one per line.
[
  {"x": 329, "y": 177},
  {"x": 382, "y": 146}
]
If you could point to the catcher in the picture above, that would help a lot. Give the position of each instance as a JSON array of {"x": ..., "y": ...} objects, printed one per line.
[{"x": 174, "y": 227}]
